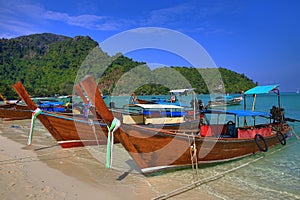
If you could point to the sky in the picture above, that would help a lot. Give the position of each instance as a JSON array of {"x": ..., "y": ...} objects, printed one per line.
[{"x": 259, "y": 38}]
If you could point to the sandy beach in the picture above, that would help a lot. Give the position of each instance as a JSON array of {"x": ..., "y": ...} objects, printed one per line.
[{"x": 46, "y": 171}]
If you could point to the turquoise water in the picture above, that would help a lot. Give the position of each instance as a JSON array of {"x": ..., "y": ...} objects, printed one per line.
[{"x": 276, "y": 173}]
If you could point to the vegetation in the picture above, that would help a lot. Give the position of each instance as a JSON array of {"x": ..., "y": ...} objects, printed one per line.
[{"x": 48, "y": 64}]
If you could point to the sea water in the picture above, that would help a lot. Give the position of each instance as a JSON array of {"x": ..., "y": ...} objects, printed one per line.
[{"x": 271, "y": 175}]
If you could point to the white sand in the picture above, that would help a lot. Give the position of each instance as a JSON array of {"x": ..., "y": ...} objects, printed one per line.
[
  {"x": 46, "y": 171},
  {"x": 29, "y": 178}
]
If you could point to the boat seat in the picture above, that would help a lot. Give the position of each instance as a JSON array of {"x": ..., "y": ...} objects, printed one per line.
[{"x": 231, "y": 129}]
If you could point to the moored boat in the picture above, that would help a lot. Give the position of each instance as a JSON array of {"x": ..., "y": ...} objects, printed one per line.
[
  {"x": 165, "y": 116},
  {"x": 176, "y": 98},
  {"x": 222, "y": 101},
  {"x": 155, "y": 149},
  {"x": 68, "y": 131},
  {"x": 14, "y": 111}
]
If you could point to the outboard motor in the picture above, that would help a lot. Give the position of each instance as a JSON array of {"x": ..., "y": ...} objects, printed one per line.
[{"x": 277, "y": 114}]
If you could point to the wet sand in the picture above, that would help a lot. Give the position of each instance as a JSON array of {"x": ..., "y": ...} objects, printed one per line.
[{"x": 46, "y": 171}]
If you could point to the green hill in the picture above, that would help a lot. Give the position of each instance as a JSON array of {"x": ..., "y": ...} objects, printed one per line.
[{"x": 48, "y": 64}]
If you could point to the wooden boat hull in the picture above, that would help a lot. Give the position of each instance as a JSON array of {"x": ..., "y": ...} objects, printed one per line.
[
  {"x": 73, "y": 132},
  {"x": 143, "y": 101},
  {"x": 14, "y": 112},
  {"x": 216, "y": 104},
  {"x": 68, "y": 131},
  {"x": 19, "y": 112},
  {"x": 154, "y": 150}
]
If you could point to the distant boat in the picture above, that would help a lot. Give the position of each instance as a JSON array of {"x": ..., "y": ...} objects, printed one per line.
[
  {"x": 297, "y": 91},
  {"x": 226, "y": 100},
  {"x": 176, "y": 98}
]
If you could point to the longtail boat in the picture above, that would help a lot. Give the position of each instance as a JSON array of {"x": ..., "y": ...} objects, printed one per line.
[
  {"x": 154, "y": 149},
  {"x": 13, "y": 110},
  {"x": 68, "y": 131},
  {"x": 223, "y": 101}
]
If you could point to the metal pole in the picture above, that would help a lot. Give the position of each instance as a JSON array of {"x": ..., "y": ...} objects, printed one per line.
[
  {"x": 194, "y": 96},
  {"x": 245, "y": 122},
  {"x": 254, "y": 101}
]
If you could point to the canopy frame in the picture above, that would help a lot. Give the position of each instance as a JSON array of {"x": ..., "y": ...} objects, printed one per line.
[{"x": 261, "y": 90}]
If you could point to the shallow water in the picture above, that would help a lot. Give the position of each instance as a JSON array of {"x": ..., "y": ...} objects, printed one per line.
[
  {"x": 275, "y": 176},
  {"x": 271, "y": 175}
]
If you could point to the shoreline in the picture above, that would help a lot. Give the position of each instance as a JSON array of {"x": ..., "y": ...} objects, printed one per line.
[
  {"x": 46, "y": 171},
  {"x": 22, "y": 170}
]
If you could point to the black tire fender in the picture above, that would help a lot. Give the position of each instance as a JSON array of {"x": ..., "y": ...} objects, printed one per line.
[
  {"x": 260, "y": 137},
  {"x": 281, "y": 138}
]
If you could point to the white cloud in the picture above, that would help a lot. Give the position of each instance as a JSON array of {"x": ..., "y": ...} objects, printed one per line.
[
  {"x": 20, "y": 18},
  {"x": 170, "y": 14},
  {"x": 85, "y": 21},
  {"x": 8, "y": 35}
]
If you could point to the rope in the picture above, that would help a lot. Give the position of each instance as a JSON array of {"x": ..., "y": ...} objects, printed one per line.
[
  {"x": 38, "y": 111},
  {"x": 200, "y": 182},
  {"x": 72, "y": 119},
  {"x": 35, "y": 113},
  {"x": 115, "y": 124},
  {"x": 294, "y": 132},
  {"x": 195, "y": 156},
  {"x": 209, "y": 179},
  {"x": 194, "y": 159},
  {"x": 94, "y": 130}
]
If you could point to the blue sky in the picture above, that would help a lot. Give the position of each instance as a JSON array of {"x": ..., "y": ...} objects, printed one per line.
[{"x": 260, "y": 38}]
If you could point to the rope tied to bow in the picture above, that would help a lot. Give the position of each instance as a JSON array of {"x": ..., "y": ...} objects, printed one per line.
[
  {"x": 115, "y": 124},
  {"x": 35, "y": 113}
]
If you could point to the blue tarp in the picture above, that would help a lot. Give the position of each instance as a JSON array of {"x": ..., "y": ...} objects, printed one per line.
[
  {"x": 262, "y": 89},
  {"x": 53, "y": 106},
  {"x": 239, "y": 113}
]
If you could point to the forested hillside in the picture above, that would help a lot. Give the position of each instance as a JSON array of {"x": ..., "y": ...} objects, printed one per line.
[{"x": 47, "y": 64}]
